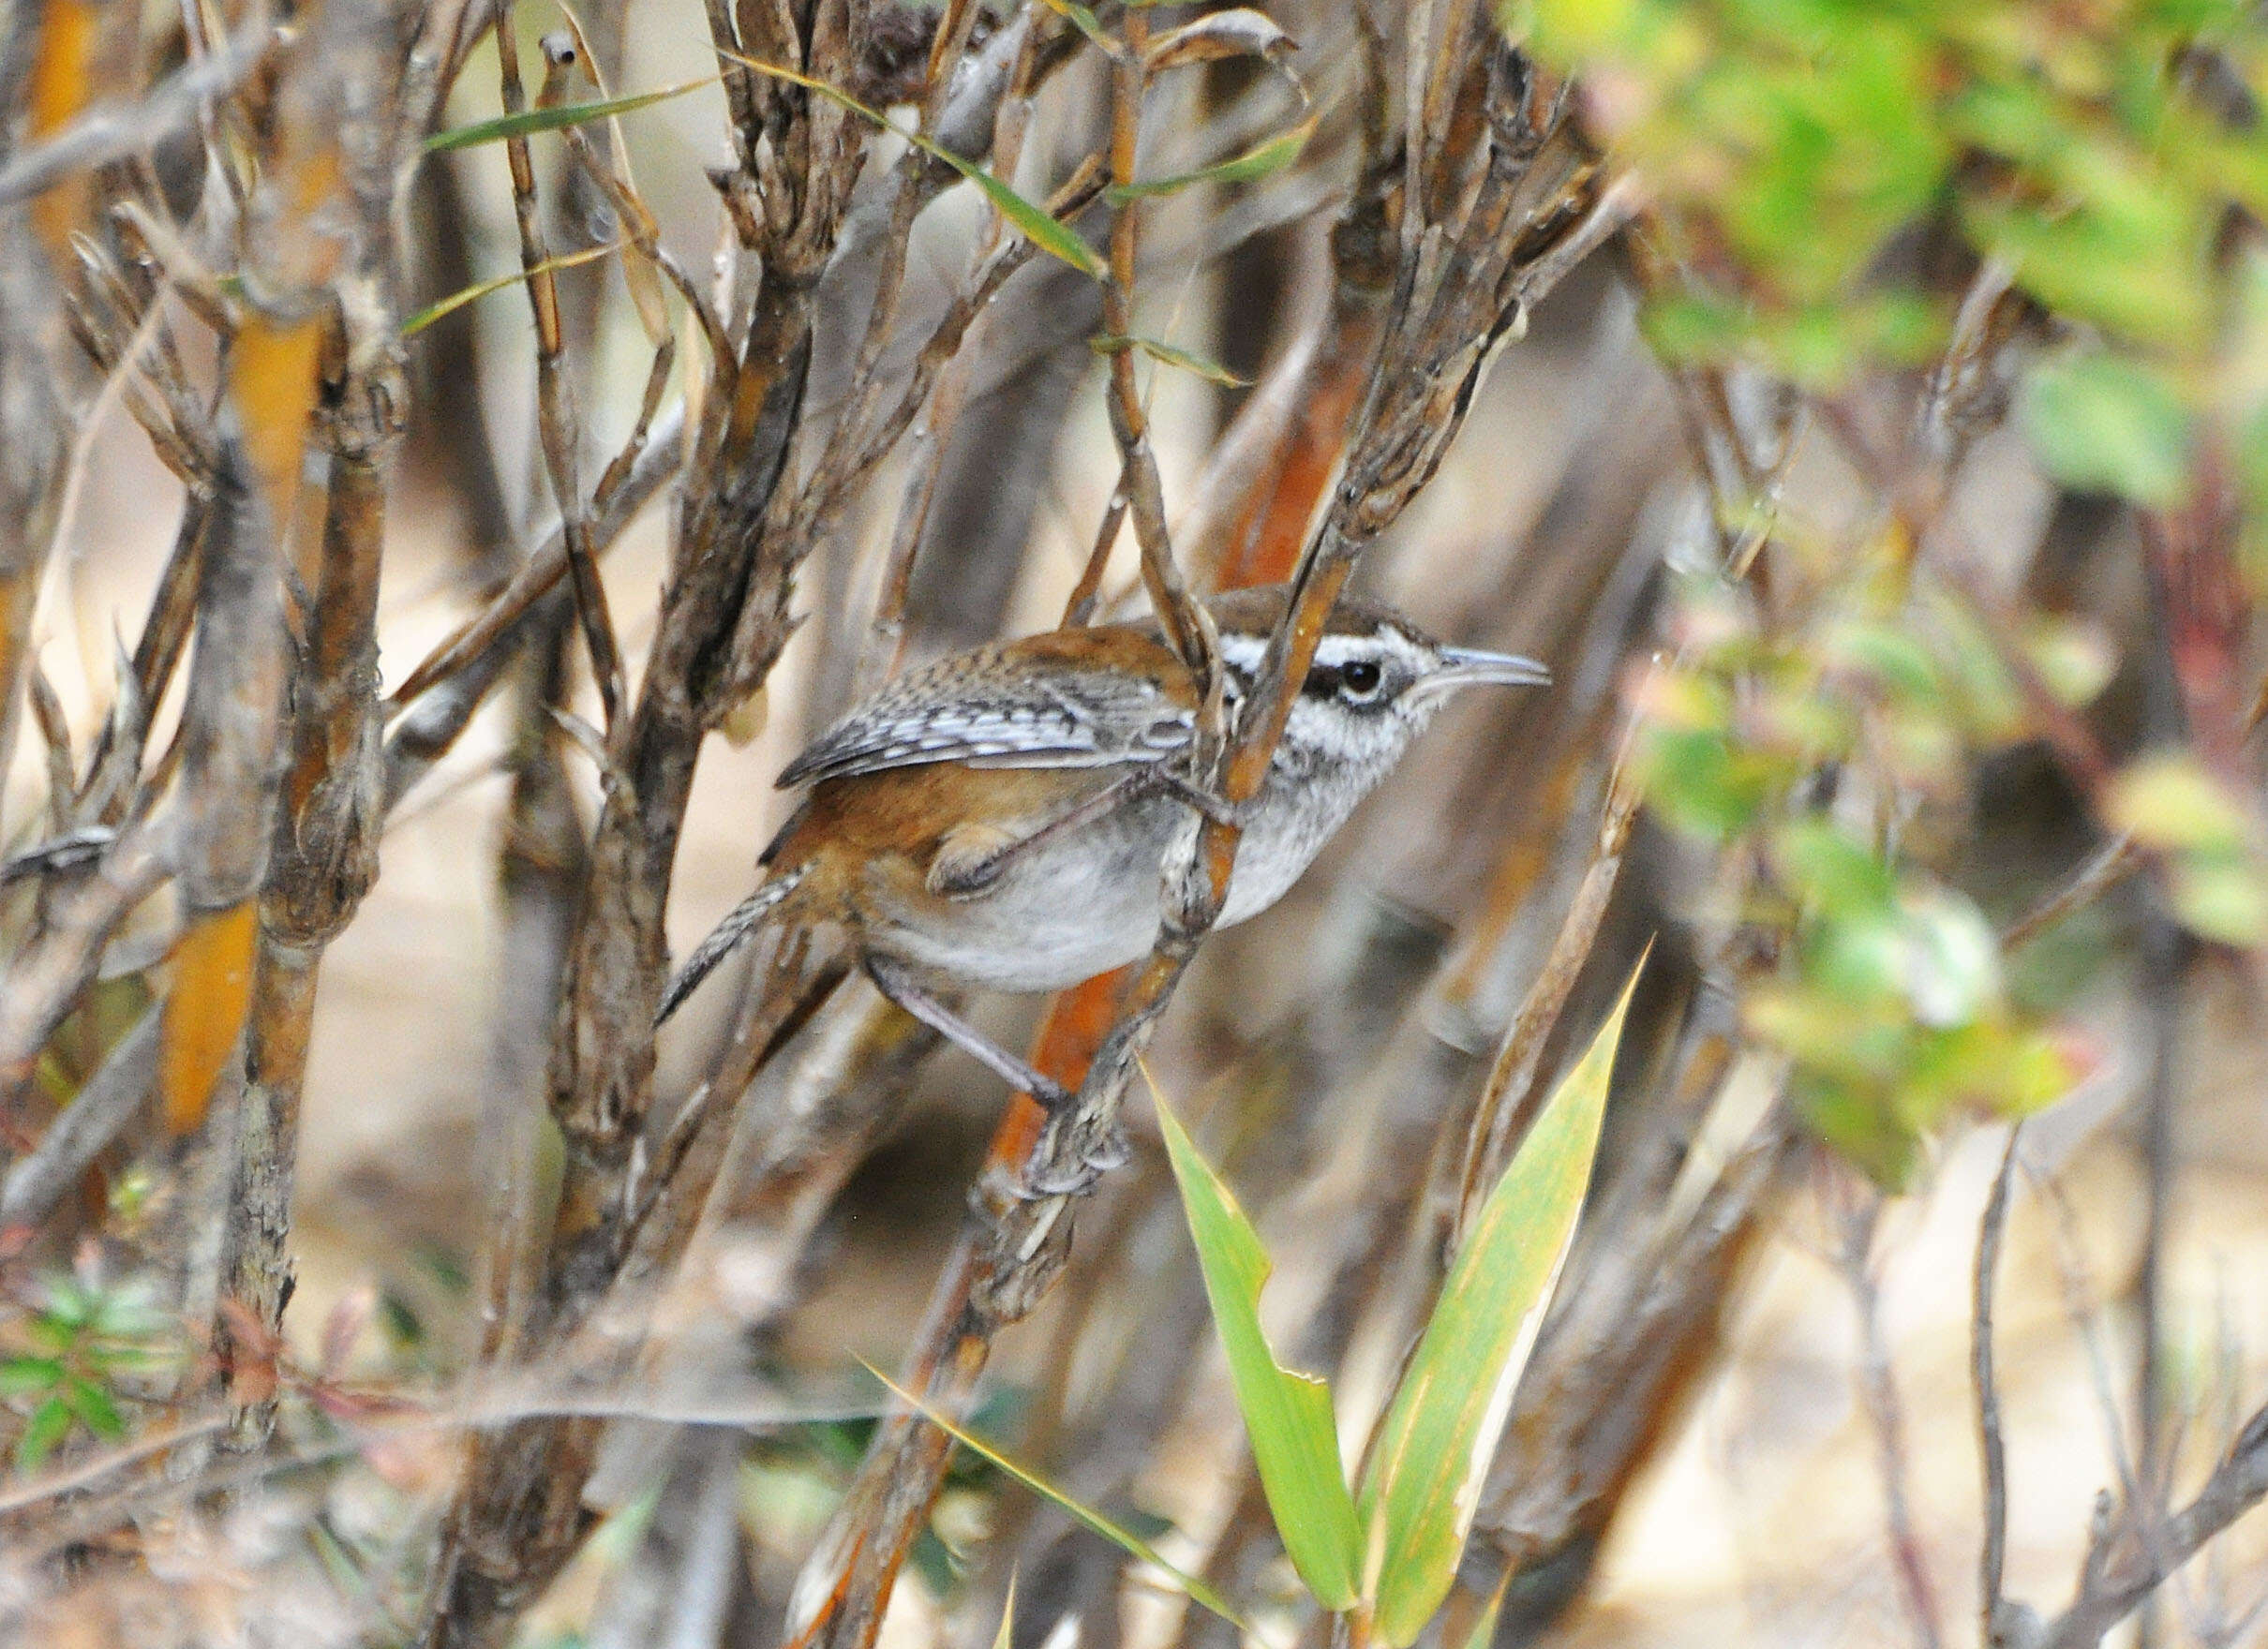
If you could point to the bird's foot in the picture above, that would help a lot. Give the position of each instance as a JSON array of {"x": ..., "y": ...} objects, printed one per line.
[{"x": 1092, "y": 1160}]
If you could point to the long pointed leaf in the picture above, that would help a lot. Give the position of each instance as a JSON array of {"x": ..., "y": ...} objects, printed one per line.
[
  {"x": 464, "y": 295},
  {"x": 1252, "y": 165},
  {"x": 1287, "y": 1416},
  {"x": 1125, "y": 1539},
  {"x": 557, "y": 117},
  {"x": 1169, "y": 355},
  {"x": 1006, "y": 1634},
  {"x": 1433, "y": 1450},
  {"x": 1030, "y": 218}
]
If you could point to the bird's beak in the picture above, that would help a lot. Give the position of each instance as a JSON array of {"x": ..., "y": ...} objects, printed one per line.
[{"x": 1468, "y": 667}]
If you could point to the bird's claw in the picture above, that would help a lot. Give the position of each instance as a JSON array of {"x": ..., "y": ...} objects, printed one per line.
[
  {"x": 1045, "y": 1187},
  {"x": 1107, "y": 1153},
  {"x": 1093, "y": 1162}
]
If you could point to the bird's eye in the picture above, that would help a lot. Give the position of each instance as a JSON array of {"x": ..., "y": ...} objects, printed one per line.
[{"x": 1360, "y": 678}]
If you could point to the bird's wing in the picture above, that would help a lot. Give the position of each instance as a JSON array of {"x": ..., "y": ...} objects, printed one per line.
[{"x": 1052, "y": 719}]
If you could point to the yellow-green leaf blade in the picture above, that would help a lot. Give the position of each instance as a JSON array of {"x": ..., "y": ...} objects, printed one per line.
[
  {"x": 1440, "y": 1431},
  {"x": 1030, "y": 218},
  {"x": 1250, "y": 167},
  {"x": 1287, "y": 1416},
  {"x": 1166, "y": 355},
  {"x": 557, "y": 117},
  {"x": 1125, "y": 1539},
  {"x": 442, "y": 308}
]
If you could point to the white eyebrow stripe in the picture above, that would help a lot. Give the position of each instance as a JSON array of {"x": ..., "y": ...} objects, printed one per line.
[
  {"x": 1242, "y": 652},
  {"x": 1334, "y": 650}
]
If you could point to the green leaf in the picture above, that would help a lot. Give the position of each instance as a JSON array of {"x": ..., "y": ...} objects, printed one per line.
[
  {"x": 2170, "y": 803},
  {"x": 555, "y": 118},
  {"x": 20, "y": 1377},
  {"x": 69, "y": 1303},
  {"x": 1828, "y": 865},
  {"x": 2169, "y": 800},
  {"x": 1030, "y": 218},
  {"x": 93, "y": 1405},
  {"x": 1287, "y": 1416},
  {"x": 2074, "y": 658},
  {"x": 1433, "y": 1449},
  {"x": 2106, "y": 423},
  {"x": 1952, "y": 962},
  {"x": 1166, "y": 355},
  {"x": 2221, "y": 898},
  {"x": 1484, "y": 1633},
  {"x": 1006, "y": 1634},
  {"x": 1252, "y": 165},
  {"x": 1094, "y": 1521},
  {"x": 464, "y": 295},
  {"x": 50, "y": 1422}
]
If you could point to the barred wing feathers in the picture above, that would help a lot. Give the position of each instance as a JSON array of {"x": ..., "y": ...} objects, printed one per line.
[{"x": 956, "y": 710}]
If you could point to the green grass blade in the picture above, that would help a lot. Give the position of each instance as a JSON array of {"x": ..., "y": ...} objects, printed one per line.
[
  {"x": 1006, "y": 1634},
  {"x": 1287, "y": 1415},
  {"x": 1168, "y": 355},
  {"x": 1252, "y": 165},
  {"x": 1125, "y": 1539},
  {"x": 1030, "y": 218},
  {"x": 555, "y": 117},
  {"x": 50, "y": 1422},
  {"x": 1440, "y": 1431},
  {"x": 1484, "y": 1633},
  {"x": 464, "y": 295}
]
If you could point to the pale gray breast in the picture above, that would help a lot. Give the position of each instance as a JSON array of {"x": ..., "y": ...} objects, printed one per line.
[{"x": 1077, "y": 905}]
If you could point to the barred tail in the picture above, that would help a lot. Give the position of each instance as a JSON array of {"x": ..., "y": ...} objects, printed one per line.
[{"x": 723, "y": 938}]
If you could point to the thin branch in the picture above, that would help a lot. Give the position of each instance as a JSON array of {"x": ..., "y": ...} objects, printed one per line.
[
  {"x": 2119, "y": 1575},
  {"x": 98, "y": 1112},
  {"x": 1991, "y": 1561},
  {"x": 2116, "y": 860},
  {"x": 1511, "y": 1097},
  {"x": 558, "y": 424},
  {"x": 1139, "y": 477},
  {"x": 1885, "y": 1413},
  {"x": 480, "y": 644}
]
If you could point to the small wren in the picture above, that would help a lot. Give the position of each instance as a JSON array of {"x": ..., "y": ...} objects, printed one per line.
[{"x": 1002, "y": 817}]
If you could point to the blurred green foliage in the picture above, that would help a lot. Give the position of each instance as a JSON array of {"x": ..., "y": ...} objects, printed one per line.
[
  {"x": 72, "y": 1356},
  {"x": 1792, "y": 146},
  {"x": 1797, "y": 753},
  {"x": 1825, "y": 181}
]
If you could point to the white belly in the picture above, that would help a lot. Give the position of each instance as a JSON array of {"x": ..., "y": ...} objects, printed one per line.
[{"x": 1087, "y": 904}]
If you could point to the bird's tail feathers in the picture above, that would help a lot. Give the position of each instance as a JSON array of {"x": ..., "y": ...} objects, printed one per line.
[{"x": 723, "y": 938}]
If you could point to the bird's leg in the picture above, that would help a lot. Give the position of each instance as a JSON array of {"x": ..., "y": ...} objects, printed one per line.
[
  {"x": 1193, "y": 795},
  {"x": 896, "y": 984}
]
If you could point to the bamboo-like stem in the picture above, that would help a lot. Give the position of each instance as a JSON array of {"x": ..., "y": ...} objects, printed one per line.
[{"x": 558, "y": 424}]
